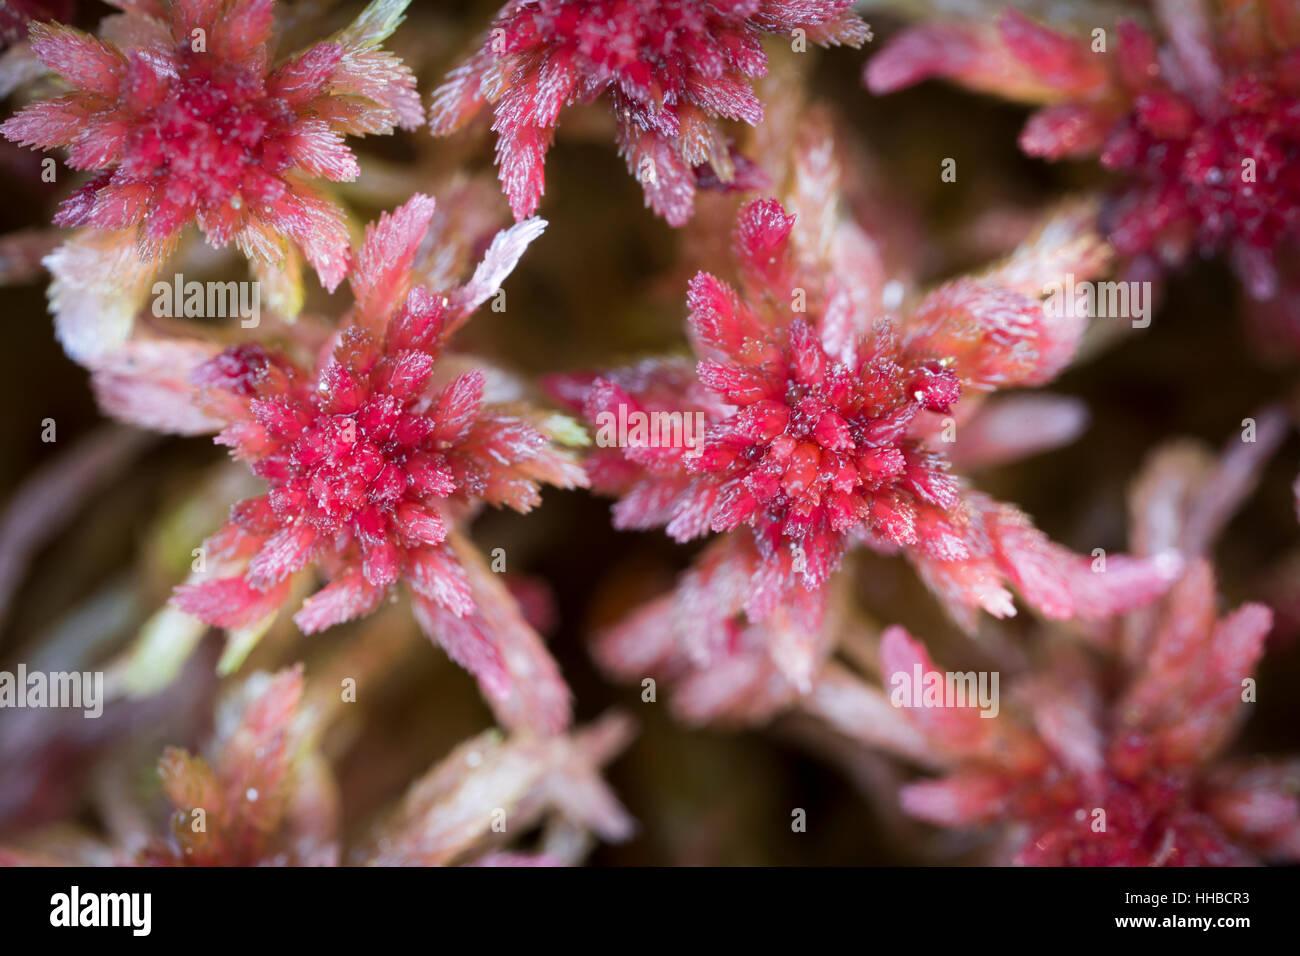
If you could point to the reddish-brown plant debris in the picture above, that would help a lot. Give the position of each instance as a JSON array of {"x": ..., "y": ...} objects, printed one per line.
[
  {"x": 1203, "y": 126},
  {"x": 670, "y": 69}
]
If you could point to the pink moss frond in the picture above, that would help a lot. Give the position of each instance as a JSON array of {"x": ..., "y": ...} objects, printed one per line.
[
  {"x": 370, "y": 459},
  {"x": 816, "y": 451},
  {"x": 669, "y": 71},
  {"x": 204, "y": 131},
  {"x": 1200, "y": 122}
]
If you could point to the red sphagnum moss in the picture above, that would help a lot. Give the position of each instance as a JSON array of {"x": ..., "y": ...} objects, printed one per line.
[
  {"x": 183, "y": 115},
  {"x": 261, "y": 793},
  {"x": 371, "y": 456},
  {"x": 184, "y": 118},
  {"x": 1083, "y": 780},
  {"x": 823, "y": 429},
  {"x": 817, "y": 418},
  {"x": 1108, "y": 751},
  {"x": 670, "y": 69},
  {"x": 1202, "y": 126}
]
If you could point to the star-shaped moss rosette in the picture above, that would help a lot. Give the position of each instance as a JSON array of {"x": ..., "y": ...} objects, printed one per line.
[
  {"x": 827, "y": 405},
  {"x": 823, "y": 423},
  {"x": 374, "y": 449},
  {"x": 180, "y": 111},
  {"x": 669, "y": 69},
  {"x": 1201, "y": 121}
]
